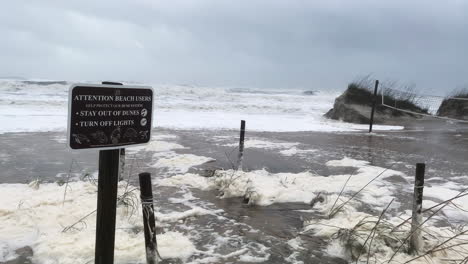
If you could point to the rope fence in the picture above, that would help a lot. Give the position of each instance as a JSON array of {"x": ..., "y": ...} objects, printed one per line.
[{"x": 431, "y": 106}]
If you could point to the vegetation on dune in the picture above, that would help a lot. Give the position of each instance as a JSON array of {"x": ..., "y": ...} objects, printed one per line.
[
  {"x": 454, "y": 106},
  {"x": 460, "y": 93},
  {"x": 355, "y": 103},
  {"x": 402, "y": 96}
]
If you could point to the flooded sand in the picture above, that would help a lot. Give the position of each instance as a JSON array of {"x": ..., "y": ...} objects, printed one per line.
[{"x": 29, "y": 156}]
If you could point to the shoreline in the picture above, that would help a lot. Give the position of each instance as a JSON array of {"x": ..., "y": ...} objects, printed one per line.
[{"x": 46, "y": 153}]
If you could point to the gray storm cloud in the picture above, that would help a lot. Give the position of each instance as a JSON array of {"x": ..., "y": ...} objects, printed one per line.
[{"x": 305, "y": 44}]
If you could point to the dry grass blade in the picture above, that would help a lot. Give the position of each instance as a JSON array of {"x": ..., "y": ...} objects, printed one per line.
[
  {"x": 375, "y": 228},
  {"x": 228, "y": 157},
  {"x": 339, "y": 195},
  {"x": 66, "y": 183},
  {"x": 130, "y": 200},
  {"x": 360, "y": 190},
  {"x": 464, "y": 261},
  {"x": 435, "y": 249},
  {"x": 411, "y": 233},
  {"x": 459, "y": 195},
  {"x": 130, "y": 172},
  {"x": 458, "y": 207},
  {"x": 81, "y": 221},
  {"x": 372, "y": 232}
]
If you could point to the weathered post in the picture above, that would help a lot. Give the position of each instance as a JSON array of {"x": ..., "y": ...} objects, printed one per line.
[
  {"x": 106, "y": 205},
  {"x": 92, "y": 125},
  {"x": 374, "y": 103},
  {"x": 148, "y": 218},
  {"x": 240, "y": 156},
  {"x": 108, "y": 178},
  {"x": 416, "y": 241}
]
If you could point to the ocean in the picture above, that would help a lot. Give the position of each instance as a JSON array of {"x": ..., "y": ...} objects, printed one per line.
[
  {"x": 302, "y": 196},
  {"x": 27, "y": 106}
]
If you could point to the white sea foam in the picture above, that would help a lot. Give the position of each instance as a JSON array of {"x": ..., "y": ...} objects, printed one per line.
[
  {"x": 458, "y": 209},
  {"x": 349, "y": 229},
  {"x": 257, "y": 143},
  {"x": 285, "y": 148},
  {"x": 264, "y": 188},
  {"x": 157, "y": 146},
  {"x": 190, "y": 179},
  {"x": 37, "y": 217},
  {"x": 176, "y": 216},
  {"x": 180, "y": 163},
  {"x": 295, "y": 151},
  {"x": 36, "y": 107}
]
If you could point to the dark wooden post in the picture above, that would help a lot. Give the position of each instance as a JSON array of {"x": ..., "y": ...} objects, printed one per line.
[
  {"x": 106, "y": 206},
  {"x": 148, "y": 218},
  {"x": 107, "y": 203},
  {"x": 374, "y": 102},
  {"x": 240, "y": 157},
  {"x": 416, "y": 239}
]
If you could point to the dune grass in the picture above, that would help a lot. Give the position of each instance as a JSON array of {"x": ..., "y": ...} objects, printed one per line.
[
  {"x": 459, "y": 93},
  {"x": 403, "y": 96},
  {"x": 455, "y": 105}
]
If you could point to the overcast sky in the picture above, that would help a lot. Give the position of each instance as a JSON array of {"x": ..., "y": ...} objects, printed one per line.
[{"x": 281, "y": 44}]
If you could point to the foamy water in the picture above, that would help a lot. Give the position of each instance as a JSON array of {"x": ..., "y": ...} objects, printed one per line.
[
  {"x": 196, "y": 230},
  {"x": 42, "y": 106}
]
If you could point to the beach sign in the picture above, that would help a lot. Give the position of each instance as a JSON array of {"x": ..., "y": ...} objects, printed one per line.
[{"x": 109, "y": 116}]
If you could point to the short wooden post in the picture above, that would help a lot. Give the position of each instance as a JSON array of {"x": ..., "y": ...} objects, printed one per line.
[
  {"x": 106, "y": 206},
  {"x": 240, "y": 156},
  {"x": 374, "y": 103},
  {"x": 416, "y": 241},
  {"x": 148, "y": 218}
]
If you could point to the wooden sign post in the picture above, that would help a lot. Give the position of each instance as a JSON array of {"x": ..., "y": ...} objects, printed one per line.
[
  {"x": 108, "y": 117},
  {"x": 106, "y": 206},
  {"x": 374, "y": 102}
]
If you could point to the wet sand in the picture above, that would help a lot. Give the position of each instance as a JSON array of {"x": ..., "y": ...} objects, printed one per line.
[{"x": 29, "y": 156}]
